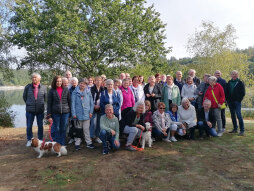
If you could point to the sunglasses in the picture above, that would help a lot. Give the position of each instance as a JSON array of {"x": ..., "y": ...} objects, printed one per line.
[{"x": 163, "y": 108}]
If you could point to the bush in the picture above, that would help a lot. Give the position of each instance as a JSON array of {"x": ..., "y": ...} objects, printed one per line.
[
  {"x": 6, "y": 116},
  {"x": 245, "y": 114}
]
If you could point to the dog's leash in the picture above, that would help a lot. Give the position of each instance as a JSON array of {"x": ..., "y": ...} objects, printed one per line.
[
  {"x": 44, "y": 140},
  {"x": 139, "y": 149}
]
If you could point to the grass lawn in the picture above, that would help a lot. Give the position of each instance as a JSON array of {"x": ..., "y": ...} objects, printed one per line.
[{"x": 225, "y": 163}]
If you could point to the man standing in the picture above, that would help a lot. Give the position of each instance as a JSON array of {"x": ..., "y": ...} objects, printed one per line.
[
  {"x": 235, "y": 92},
  {"x": 34, "y": 96},
  {"x": 178, "y": 80},
  {"x": 68, "y": 75},
  {"x": 223, "y": 83}
]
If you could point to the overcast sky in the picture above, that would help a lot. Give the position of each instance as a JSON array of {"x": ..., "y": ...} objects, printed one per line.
[{"x": 184, "y": 16}]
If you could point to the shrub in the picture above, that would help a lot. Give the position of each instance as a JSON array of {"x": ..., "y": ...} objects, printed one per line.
[{"x": 6, "y": 115}]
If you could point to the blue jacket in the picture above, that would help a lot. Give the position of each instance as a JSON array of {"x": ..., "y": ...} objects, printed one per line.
[
  {"x": 81, "y": 108},
  {"x": 104, "y": 100}
]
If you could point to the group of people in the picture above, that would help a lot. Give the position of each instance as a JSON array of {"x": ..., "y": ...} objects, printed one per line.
[{"x": 102, "y": 110}]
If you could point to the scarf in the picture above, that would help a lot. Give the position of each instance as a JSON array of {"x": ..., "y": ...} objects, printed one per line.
[
  {"x": 36, "y": 90},
  {"x": 97, "y": 94},
  {"x": 59, "y": 91},
  {"x": 162, "y": 116},
  {"x": 170, "y": 89}
]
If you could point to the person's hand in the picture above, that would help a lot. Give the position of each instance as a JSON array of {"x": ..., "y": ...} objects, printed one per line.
[
  {"x": 219, "y": 105},
  {"x": 200, "y": 93},
  {"x": 113, "y": 132},
  {"x": 50, "y": 120},
  {"x": 90, "y": 115},
  {"x": 148, "y": 95},
  {"x": 191, "y": 99},
  {"x": 75, "y": 117},
  {"x": 153, "y": 95},
  {"x": 96, "y": 107},
  {"x": 116, "y": 143},
  {"x": 165, "y": 134},
  {"x": 209, "y": 124}
]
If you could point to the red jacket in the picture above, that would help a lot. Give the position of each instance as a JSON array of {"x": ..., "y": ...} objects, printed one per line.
[{"x": 218, "y": 92}]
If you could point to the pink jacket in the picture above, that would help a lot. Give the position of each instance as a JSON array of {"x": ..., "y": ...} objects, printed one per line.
[{"x": 128, "y": 98}]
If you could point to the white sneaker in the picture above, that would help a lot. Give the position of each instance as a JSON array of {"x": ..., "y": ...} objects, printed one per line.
[
  {"x": 219, "y": 134},
  {"x": 173, "y": 139},
  {"x": 71, "y": 141},
  {"x": 166, "y": 140},
  {"x": 98, "y": 140},
  {"x": 28, "y": 144}
]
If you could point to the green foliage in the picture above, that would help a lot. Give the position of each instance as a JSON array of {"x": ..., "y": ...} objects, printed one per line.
[
  {"x": 18, "y": 78},
  {"x": 6, "y": 116},
  {"x": 87, "y": 36}
]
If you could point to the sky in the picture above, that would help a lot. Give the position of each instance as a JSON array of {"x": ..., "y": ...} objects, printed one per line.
[{"x": 183, "y": 17}]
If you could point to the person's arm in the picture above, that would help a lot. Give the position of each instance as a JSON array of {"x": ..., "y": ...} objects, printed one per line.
[
  {"x": 178, "y": 99},
  {"x": 168, "y": 120},
  {"x": 25, "y": 94},
  {"x": 156, "y": 122},
  {"x": 222, "y": 95},
  {"x": 69, "y": 98},
  {"x": 157, "y": 91},
  {"x": 102, "y": 100},
  {"x": 195, "y": 94},
  {"x": 193, "y": 115},
  {"x": 91, "y": 102},
  {"x": 132, "y": 100},
  {"x": 49, "y": 104},
  {"x": 117, "y": 130},
  {"x": 73, "y": 100},
  {"x": 242, "y": 92},
  {"x": 183, "y": 92},
  {"x": 103, "y": 124}
]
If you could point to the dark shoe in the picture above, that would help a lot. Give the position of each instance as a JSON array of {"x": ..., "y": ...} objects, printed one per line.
[
  {"x": 105, "y": 151},
  {"x": 91, "y": 146},
  {"x": 233, "y": 131},
  {"x": 130, "y": 148},
  {"x": 241, "y": 134},
  {"x": 77, "y": 147}
]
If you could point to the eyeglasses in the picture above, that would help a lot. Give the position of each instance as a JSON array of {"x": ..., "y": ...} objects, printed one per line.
[{"x": 163, "y": 108}]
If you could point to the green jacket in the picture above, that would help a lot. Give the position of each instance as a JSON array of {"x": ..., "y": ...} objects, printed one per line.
[
  {"x": 110, "y": 124},
  {"x": 176, "y": 97}
]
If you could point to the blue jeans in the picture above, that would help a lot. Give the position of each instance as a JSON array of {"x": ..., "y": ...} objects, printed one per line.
[
  {"x": 29, "y": 124},
  {"x": 58, "y": 130},
  {"x": 204, "y": 127},
  {"x": 158, "y": 134},
  {"x": 95, "y": 125},
  {"x": 235, "y": 110},
  {"x": 106, "y": 136}
]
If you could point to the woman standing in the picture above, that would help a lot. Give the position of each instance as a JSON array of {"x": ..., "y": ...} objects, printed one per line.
[
  {"x": 152, "y": 93},
  {"x": 110, "y": 96},
  {"x": 170, "y": 93},
  {"x": 82, "y": 107},
  {"x": 215, "y": 93},
  {"x": 189, "y": 91},
  {"x": 128, "y": 98},
  {"x": 58, "y": 109}
]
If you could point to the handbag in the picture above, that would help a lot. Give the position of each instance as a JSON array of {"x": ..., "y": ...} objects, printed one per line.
[{"x": 223, "y": 106}]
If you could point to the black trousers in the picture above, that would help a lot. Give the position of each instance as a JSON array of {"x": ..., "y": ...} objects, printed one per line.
[{"x": 223, "y": 118}]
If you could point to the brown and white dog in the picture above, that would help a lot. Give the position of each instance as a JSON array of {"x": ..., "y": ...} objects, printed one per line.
[{"x": 53, "y": 147}]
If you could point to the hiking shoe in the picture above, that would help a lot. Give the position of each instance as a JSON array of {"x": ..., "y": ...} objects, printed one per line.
[
  {"x": 71, "y": 141},
  {"x": 98, "y": 140},
  {"x": 220, "y": 134},
  {"x": 153, "y": 139},
  {"x": 241, "y": 134},
  {"x": 223, "y": 130},
  {"x": 130, "y": 148},
  {"x": 91, "y": 146},
  {"x": 173, "y": 139},
  {"x": 77, "y": 147},
  {"x": 233, "y": 131},
  {"x": 28, "y": 144},
  {"x": 105, "y": 152},
  {"x": 166, "y": 140}
]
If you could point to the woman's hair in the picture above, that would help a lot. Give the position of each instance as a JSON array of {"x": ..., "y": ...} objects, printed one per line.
[
  {"x": 141, "y": 77},
  {"x": 74, "y": 79},
  {"x": 83, "y": 80},
  {"x": 117, "y": 80},
  {"x": 189, "y": 78},
  {"x": 148, "y": 102},
  {"x": 212, "y": 78},
  {"x": 125, "y": 80},
  {"x": 53, "y": 84},
  {"x": 156, "y": 75},
  {"x": 109, "y": 81},
  {"x": 161, "y": 104},
  {"x": 172, "y": 105},
  {"x": 98, "y": 78},
  {"x": 169, "y": 76},
  {"x": 91, "y": 77},
  {"x": 137, "y": 104},
  {"x": 108, "y": 106},
  {"x": 184, "y": 100},
  {"x": 133, "y": 78}
]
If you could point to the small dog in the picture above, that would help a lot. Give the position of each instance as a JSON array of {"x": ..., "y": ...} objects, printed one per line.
[
  {"x": 53, "y": 147},
  {"x": 146, "y": 136}
]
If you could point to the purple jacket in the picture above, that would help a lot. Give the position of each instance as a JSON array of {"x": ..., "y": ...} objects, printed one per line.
[{"x": 128, "y": 98}]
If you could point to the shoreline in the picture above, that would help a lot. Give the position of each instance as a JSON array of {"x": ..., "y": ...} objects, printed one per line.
[{"x": 12, "y": 87}]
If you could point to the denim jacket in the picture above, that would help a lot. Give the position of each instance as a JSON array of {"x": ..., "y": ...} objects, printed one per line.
[{"x": 104, "y": 100}]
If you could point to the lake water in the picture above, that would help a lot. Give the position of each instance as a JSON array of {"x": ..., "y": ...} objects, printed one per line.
[{"x": 15, "y": 99}]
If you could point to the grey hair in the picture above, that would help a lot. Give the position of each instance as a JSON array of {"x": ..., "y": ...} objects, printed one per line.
[
  {"x": 185, "y": 99},
  {"x": 36, "y": 74},
  {"x": 117, "y": 80},
  {"x": 179, "y": 72},
  {"x": 138, "y": 104},
  {"x": 125, "y": 80},
  {"x": 108, "y": 106},
  {"x": 74, "y": 79},
  {"x": 83, "y": 80},
  {"x": 207, "y": 101},
  {"x": 235, "y": 71},
  {"x": 192, "y": 70},
  {"x": 64, "y": 78},
  {"x": 151, "y": 77},
  {"x": 212, "y": 78},
  {"x": 109, "y": 81}
]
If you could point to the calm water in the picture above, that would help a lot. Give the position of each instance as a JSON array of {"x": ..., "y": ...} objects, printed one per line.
[{"x": 15, "y": 99}]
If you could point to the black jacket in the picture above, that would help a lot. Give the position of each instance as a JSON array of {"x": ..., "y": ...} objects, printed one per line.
[
  {"x": 57, "y": 106},
  {"x": 238, "y": 92},
  {"x": 211, "y": 117},
  {"x": 154, "y": 100},
  {"x": 32, "y": 105},
  {"x": 129, "y": 118},
  {"x": 179, "y": 84}
]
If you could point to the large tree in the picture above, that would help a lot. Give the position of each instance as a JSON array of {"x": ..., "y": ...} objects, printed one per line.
[{"x": 87, "y": 36}]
